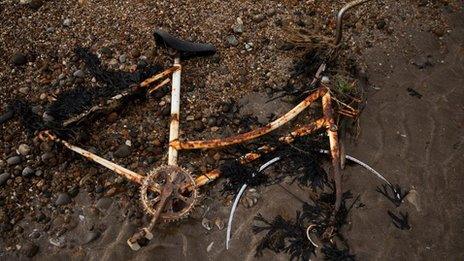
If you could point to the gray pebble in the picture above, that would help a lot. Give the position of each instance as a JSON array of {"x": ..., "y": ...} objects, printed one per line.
[
  {"x": 123, "y": 151},
  {"x": 122, "y": 58},
  {"x": 249, "y": 47},
  {"x": 47, "y": 117},
  {"x": 232, "y": 40},
  {"x": 47, "y": 156},
  {"x": 79, "y": 74},
  {"x": 27, "y": 172},
  {"x": 238, "y": 26},
  {"x": 62, "y": 199},
  {"x": 50, "y": 30},
  {"x": 3, "y": 178},
  {"x": 15, "y": 160},
  {"x": 67, "y": 22},
  {"x": 24, "y": 90},
  {"x": 24, "y": 149}
]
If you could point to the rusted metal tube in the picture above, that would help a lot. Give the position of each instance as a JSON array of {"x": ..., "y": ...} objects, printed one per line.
[
  {"x": 129, "y": 174},
  {"x": 341, "y": 13},
  {"x": 175, "y": 107},
  {"x": 215, "y": 143},
  {"x": 161, "y": 84},
  {"x": 304, "y": 130},
  {"x": 334, "y": 148},
  {"x": 160, "y": 75}
]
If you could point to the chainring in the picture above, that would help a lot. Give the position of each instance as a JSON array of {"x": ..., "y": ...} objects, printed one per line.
[{"x": 180, "y": 203}]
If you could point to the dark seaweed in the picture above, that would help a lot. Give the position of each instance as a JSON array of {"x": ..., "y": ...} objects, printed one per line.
[
  {"x": 400, "y": 221},
  {"x": 334, "y": 254}
]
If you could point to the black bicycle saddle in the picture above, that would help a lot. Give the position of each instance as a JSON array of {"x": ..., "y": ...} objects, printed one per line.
[{"x": 186, "y": 48}]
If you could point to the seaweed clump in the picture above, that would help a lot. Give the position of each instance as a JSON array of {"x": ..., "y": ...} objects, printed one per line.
[{"x": 290, "y": 235}]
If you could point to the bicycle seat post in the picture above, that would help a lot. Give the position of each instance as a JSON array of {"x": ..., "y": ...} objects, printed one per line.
[{"x": 175, "y": 109}]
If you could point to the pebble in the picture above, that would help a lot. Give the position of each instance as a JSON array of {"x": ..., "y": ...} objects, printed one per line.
[
  {"x": 15, "y": 160},
  {"x": 123, "y": 151},
  {"x": 58, "y": 242},
  {"x": 19, "y": 59},
  {"x": 91, "y": 236},
  {"x": 219, "y": 223},
  {"x": 24, "y": 90},
  {"x": 47, "y": 117},
  {"x": 27, "y": 172},
  {"x": 214, "y": 128},
  {"x": 35, "y": 4},
  {"x": 206, "y": 224},
  {"x": 232, "y": 40},
  {"x": 3, "y": 178},
  {"x": 106, "y": 51},
  {"x": 210, "y": 246},
  {"x": 24, "y": 149},
  {"x": 286, "y": 46},
  {"x": 62, "y": 199},
  {"x": 79, "y": 74},
  {"x": 122, "y": 58},
  {"x": 238, "y": 26},
  {"x": 325, "y": 79},
  {"x": 258, "y": 18},
  {"x": 47, "y": 156},
  {"x": 50, "y": 30},
  {"x": 249, "y": 47},
  {"x": 67, "y": 22}
]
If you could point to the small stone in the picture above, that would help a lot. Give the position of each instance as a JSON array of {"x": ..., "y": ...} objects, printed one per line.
[
  {"x": 122, "y": 58},
  {"x": 35, "y": 4},
  {"x": 214, "y": 128},
  {"x": 62, "y": 199},
  {"x": 24, "y": 90},
  {"x": 3, "y": 178},
  {"x": 249, "y": 47},
  {"x": 15, "y": 160},
  {"x": 206, "y": 224},
  {"x": 79, "y": 74},
  {"x": 27, "y": 172},
  {"x": 29, "y": 249},
  {"x": 91, "y": 236},
  {"x": 123, "y": 151},
  {"x": 24, "y": 149},
  {"x": 106, "y": 51},
  {"x": 58, "y": 242},
  {"x": 219, "y": 223},
  {"x": 258, "y": 18},
  {"x": 232, "y": 40},
  {"x": 142, "y": 64},
  {"x": 67, "y": 22},
  {"x": 47, "y": 157},
  {"x": 381, "y": 24},
  {"x": 190, "y": 118},
  {"x": 50, "y": 30},
  {"x": 238, "y": 26},
  {"x": 19, "y": 59},
  {"x": 325, "y": 80},
  {"x": 47, "y": 117},
  {"x": 209, "y": 247}
]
